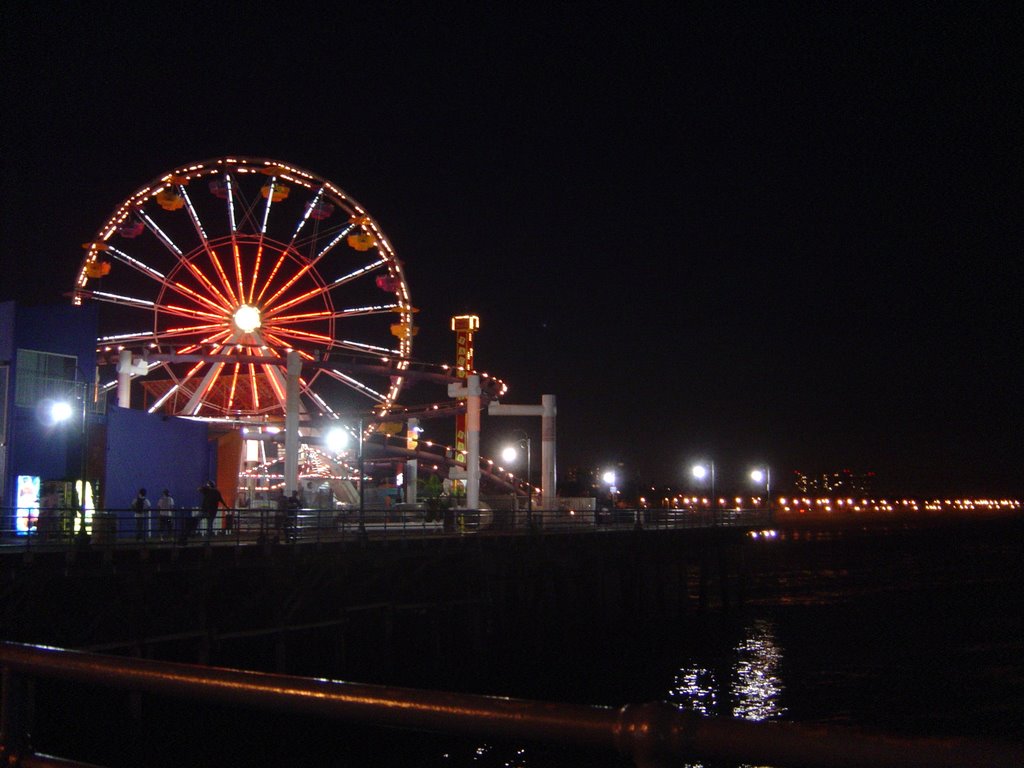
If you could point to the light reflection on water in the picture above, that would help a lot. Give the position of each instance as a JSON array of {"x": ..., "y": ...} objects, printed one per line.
[
  {"x": 747, "y": 685},
  {"x": 754, "y": 686}
]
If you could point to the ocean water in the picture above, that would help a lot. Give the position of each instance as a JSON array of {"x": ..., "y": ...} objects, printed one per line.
[
  {"x": 905, "y": 630},
  {"x": 895, "y": 629}
]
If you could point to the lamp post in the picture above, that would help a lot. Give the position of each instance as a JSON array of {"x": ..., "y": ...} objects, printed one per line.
[
  {"x": 62, "y": 411},
  {"x": 336, "y": 441},
  {"x": 509, "y": 454},
  {"x": 701, "y": 471},
  {"x": 609, "y": 478},
  {"x": 764, "y": 475}
]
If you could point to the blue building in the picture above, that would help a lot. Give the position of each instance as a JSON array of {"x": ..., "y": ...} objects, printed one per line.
[{"x": 57, "y": 426}]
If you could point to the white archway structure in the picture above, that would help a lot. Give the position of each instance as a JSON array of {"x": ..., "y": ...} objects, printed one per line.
[{"x": 547, "y": 412}]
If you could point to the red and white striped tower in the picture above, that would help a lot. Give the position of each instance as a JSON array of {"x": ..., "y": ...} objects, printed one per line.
[{"x": 464, "y": 326}]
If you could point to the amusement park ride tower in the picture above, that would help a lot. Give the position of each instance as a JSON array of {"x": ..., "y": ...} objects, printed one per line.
[{"x": 464, "y": 326}]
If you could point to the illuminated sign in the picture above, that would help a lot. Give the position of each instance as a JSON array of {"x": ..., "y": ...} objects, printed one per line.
[
  {"x": 27, "y": 504},
  {"x": 463, "y": 325}
]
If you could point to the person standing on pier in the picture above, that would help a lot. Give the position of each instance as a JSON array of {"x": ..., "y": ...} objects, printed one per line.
[
  {"x": 165, "y": 511},
  {"x": 211, "y": 497},
  {"x": 141, "y": 507}
]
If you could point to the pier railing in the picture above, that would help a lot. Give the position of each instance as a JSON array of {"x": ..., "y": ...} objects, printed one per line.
[
  {"x": 119, "y": 528},
  {"x": 651, "y": 735}
]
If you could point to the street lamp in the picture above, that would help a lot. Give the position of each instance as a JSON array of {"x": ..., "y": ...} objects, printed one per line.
[
  {"x": 701, "y": 471},
  {"x": 336, "y": 440},
  {"x": 509, "y": 454},
  {"x": 62, "y": 411},
  {"x": 764, "y": 475},
  {"x": 609, "y": 478}
]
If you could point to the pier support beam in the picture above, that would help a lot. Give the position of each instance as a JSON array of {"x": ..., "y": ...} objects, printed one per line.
[
  {"x": 471, "y": 393},
  {"x": 547, "y": 411}
]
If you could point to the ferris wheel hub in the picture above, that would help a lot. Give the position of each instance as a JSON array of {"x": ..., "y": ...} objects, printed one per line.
[{"x": 247, "y": 318}]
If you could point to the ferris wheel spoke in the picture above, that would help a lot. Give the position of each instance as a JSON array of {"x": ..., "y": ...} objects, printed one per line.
[
  {"x": 192, "y": 314},
  {"x": 304, "y": 269},
  {"x": 178, "y": 385},
  {"x": 375, "y": 309},
  {"x": 270, "y": 191},
  {"x": 273, "y": 372},
  {"x": 215, "y": 338},
  {"x": 234, "y": 384},
  {"x": 221, "y": 274},
  {"x": 273, "y": 273},
  {"x": 162, "y": 236},
  {"x": 277, "y": 383},
  {"x": 184, "y": 290},
  {"x": 256, "y": 271},
  {"x": 246, "y": 221},
  {"x": 376, "y": 351},
  {"x": 343, "y": 231},
  {"x": 113, "y": 298},
  {"x": 281, "y": 333},
  {"x": 238, "y": 269},
  {"x": 355, "y": 384},
  {"x": 195, "y": 403},
  {"x": 219, "y": 300},
  {"x": 127, "y": 338},
  {"x": 188, "y": 330},
  {"x": 322, "y": 290},
  {"x": 310, "y": 207},
  {"x": 137, "y": 265},
  {"x": 160, "y": 278},
  {"x": 317, "y": 400},
  {"x": 229, "y": 199},
  {"x": 203, "y": 239},
  {"x": 124, "y": 338},
  {"x": 236, "y": 201}
]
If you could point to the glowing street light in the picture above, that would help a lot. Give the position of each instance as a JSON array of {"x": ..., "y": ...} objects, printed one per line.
[
  {"x": 61, "y": 411},
  {"x": 609, "y": 479},
  {"x": 509, "y": 454},
  {"x": 336, "y": 439},
  {"x": 702, "y": 471},
  {"x": 764, "y": 475}
]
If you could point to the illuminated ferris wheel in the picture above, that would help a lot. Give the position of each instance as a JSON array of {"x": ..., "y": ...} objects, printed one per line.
[{"x": 213, "y": 271}]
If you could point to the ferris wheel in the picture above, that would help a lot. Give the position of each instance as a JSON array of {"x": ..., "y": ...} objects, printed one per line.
[{"x": 214, "y": 271}]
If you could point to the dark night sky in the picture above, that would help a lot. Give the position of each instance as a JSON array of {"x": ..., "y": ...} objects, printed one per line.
[{"x": 787, "y": 233}]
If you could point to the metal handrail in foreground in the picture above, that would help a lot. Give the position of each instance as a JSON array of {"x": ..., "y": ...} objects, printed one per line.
[{"x": 651, "y": 735}]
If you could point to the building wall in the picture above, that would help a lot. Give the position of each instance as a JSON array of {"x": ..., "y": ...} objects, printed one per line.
[
  {"x": 154, "y": 452},
  {"x": 127, "y": 449},
  {"x": 31, "y": 447}
]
